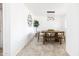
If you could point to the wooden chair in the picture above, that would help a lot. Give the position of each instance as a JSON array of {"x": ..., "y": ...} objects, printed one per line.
[
  {"x": 46, "y": 37},
  {"x": 60, "y": 37},
  {"x": 52, "y": 36},
  {"x": 40, "y": 36}
]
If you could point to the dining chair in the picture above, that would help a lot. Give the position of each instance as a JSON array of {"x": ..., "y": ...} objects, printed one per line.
[
  {"x": 40, "y": 34},
  {"x": 61, "y": 37},
  {"x": 52, "y": 36},
  {"x": 46, "y": 37}
]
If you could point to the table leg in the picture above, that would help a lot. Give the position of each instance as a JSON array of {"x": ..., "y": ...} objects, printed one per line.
[{"x": 38, "y": 36}]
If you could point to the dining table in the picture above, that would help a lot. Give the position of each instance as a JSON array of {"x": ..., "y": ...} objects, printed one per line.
[{"x": 56, "y": 34}]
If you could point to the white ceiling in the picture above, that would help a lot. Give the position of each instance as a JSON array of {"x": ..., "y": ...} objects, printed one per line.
[{"x": 39, "y": 9}]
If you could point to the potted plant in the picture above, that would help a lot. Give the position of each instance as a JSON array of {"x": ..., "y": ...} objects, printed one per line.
[{"x": 36, "y": 24}]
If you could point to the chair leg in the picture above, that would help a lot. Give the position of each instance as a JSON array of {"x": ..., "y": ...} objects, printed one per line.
[
  {"x": 43, "y": 41},
  {"x": 60, "y": 40},
  {"x": 38, "y": 37}
]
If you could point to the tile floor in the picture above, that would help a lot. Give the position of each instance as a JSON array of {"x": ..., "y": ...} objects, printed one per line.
[{"x": 35, "y": 48}]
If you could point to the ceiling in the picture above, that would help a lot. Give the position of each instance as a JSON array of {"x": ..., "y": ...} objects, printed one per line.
[{"x": 40, "y": 9}]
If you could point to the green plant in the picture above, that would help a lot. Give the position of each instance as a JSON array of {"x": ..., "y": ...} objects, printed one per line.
[{"x": 36, "y": 24}]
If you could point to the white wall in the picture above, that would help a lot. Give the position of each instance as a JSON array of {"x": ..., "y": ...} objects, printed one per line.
[
  {"x": 6, "y": 29},
  {"x": 57, "y": 24},
  {"x": 1, "y": 40},
  {"x": 41, "y": 15},
  {"x": 0, "y": 19},
  {"x": 16, "y": 15},
  {"x": 72, "y": 29}
]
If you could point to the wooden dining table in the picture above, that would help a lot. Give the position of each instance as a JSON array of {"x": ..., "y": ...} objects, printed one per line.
[{"x": 56, "y": 34}]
